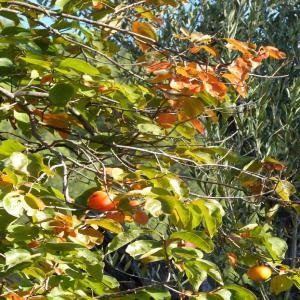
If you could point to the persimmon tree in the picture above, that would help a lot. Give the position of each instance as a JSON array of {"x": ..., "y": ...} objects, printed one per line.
[{"x": 110, "y": 185}]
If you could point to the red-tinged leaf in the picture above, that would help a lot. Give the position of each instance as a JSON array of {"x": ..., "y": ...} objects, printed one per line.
[
  {"x": 239, "y": 85},
  {"x": 179, "y": 84},
  {"x": 274, "y": 52},
  {"x": 157, "y": 67},
  {"x": 47, "y": 78},
  {"x": 240, "y": 68},
  {"x": 198, "y": 126},
  {"x": 166, "y": 120},
  {"x": 196, "y": 88},
  {"x": 210, "y": 50},
  {"x": 144, "y": 30},
  {"x": 270, "y": 163},
  {"x": 213, "y": 85},
  {"x": 234, "y": 44}
]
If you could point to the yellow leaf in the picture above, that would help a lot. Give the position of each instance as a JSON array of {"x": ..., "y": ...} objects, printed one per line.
[
  {"x": 108, "y": 224},
  {"x": 144, "y": 30}
]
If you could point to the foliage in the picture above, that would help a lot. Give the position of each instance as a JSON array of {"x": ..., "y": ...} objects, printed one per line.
[{"x": 95, "y": 96}]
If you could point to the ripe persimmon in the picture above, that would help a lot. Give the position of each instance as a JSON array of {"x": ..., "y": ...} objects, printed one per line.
[
  {"x": 100, "y": 201},
  {"x": 116, "y": 216},
  {"x": 136, "y": 186},
  {"x": 166, "y": 120},
  {"x": 140, "y": 217},
  {"x": 34, "y": 244},
  {"x": 133, "y": 203},
  {"x": 259, "y": 273}
]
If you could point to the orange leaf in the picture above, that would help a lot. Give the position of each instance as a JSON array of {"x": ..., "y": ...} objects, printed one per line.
[
  {"x": 161, "y": 77},
  {"x": 240, "y": 68},
  {"x": 237, "y": 83},
  {"x": 213, "y": 85},
  {"x": 234, "y": 44},
  {"x": 274, "y": 52},
  {"x": 212, "y": 115},
  {"x": 57, "y": 121},
  {"x": 210, "y": 50},
  {"x": 199, "y": 126}
]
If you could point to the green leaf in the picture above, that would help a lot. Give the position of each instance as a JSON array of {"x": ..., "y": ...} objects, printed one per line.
[
  {"x": 198, "y": 238},
  {"x": 276, "y": 247},
  {"x": 239, "y": 292},
  {"x": 212, "y": 212},
  {"x": 5, "y": 62},
  {"x": 149, "y": 128},
  {"x": 68, "y": 246},
  {"x": 158, "y": 294},
  {"x": 9, "y": 146},
  {"x": 61, "y": 3},
  {"x": 153, "y": 206},
  {"x": 61, "y": 93},
  {"x": 186, "y": 253},
  {"x": 18, "y": 232},
  {"x": 42, "y": 63},
  {"x": 16, "y": 256},
  {"x": 204, "y": 265},
  {"x": 280, "y": 283},
  {"x": 5, "y": 219},
  {"x": 19, "y": 162},
  {"x": 143, "y": 248},
  {"x": 122, "y": 239},
  {"x": 79, "y": 65},
  {"x": 13, "y": 203},
  {"x": 195, "y": 275},
  {"x": 180, "y": 216},
  {"x": 22, "y": 117},
  {"x": 37, "y": 165},
  {"x": 209, "y": 296}
]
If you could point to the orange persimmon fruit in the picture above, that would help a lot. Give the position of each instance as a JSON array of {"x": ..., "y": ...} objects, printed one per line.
[{"x": 101, "y": 201}]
